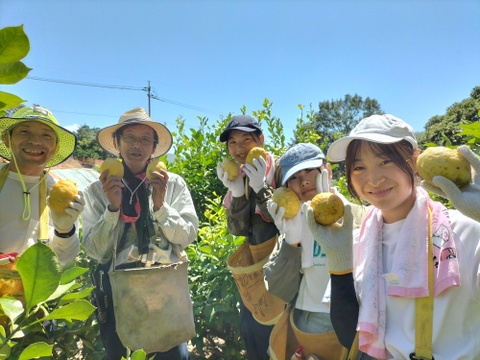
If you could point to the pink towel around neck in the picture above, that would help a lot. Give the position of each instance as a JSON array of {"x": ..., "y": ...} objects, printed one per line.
[{"x": 409, "y": 264}]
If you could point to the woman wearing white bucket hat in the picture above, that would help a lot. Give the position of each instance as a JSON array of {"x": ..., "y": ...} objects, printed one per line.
[
  {"x": 145, "y": 219},
  {"x": 414, "y": 265},
  {"x": 33, "y": 142}
]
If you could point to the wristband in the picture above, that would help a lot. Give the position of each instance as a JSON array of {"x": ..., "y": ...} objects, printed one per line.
[{"x": 65, "y": 235}]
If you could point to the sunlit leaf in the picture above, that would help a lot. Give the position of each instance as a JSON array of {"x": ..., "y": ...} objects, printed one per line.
[
  {"x": 40, "y": 271},
  {"x": 14, "y": 44},
  {"x": 78, "y": 310},
  {"x": 36, "y": 350}
]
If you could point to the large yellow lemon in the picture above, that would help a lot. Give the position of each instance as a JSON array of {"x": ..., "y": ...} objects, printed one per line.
[
  {"x": 327, "y": 207},
  {"x": 230, "y": 167},
  {"x": 62, "y": 194},
  {"x": 155, "y": 165},
  {"x": 114, "y": 167},
  {"x": 445, "y": 162},
  {"x": 287, "y": 198},
  {"x": 255, "y": 153}
]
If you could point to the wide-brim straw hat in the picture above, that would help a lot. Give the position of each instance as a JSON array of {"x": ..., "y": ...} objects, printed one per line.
[
  {"x": 105, "y": 136},
  {"x": 66, "y": 140}
]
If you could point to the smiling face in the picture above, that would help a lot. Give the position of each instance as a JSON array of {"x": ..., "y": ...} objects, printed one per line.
[
  {"x": 33, "y": 144},
  {"x": 240, "y": 143},
  {"x": 136, "y": 144},
  {"x": 303, "y": 182},
  {"x": 383, "y": 177}
]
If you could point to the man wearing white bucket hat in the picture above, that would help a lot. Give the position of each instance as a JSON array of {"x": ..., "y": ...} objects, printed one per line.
[
  {"x": 146, "y": 219},
  {"x": 33, "y": 142}
]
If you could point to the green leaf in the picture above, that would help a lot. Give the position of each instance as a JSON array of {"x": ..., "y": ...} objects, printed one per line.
[
  {"x": 35, "y": 350},
  {"x": 13, "y": 72},
  {"x": 11, "y": 307},
  {"x": 470, "y": 129},
  {"x": 14, "y": 44},
  {"x": 8, "y": 101},
  {"x": 139, "y": 355},
  {"x": 40, "y": 271},
  {"x": 72, "y": 273},
  {"x": 5, "y": 351},
  {"x": 78, "y": 310},
  {"x": 75, "y": 296},
  {"x": 61, "y": 290}
]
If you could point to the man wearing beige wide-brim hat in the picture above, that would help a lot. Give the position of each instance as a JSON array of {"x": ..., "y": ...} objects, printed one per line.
[{"x": 148, "y": 220}]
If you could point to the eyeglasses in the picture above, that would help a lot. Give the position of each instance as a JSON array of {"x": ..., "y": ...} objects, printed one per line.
[{"x": 130, "y": 139}]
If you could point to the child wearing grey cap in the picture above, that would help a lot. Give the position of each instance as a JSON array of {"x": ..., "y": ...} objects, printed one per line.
[{"x": 297, "y": 269}]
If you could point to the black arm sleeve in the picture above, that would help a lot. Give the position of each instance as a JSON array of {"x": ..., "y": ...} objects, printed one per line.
[{"x": 344, "y": 308}]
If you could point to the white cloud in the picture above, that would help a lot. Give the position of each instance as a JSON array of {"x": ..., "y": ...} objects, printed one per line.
[{"x": 72, "y": 128}]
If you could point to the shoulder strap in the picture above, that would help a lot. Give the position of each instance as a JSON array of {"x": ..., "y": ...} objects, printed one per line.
[{"x": 424, "y": 309}]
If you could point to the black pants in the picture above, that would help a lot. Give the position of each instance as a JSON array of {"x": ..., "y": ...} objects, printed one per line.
[
  {"x": 255, "y": 335},
  {"x": 114, "y": 349}
]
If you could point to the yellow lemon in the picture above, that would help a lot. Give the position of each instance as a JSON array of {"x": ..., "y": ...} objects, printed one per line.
[
  {"x": 327, "y": 207},
  {"x": 287, "y": 198},
  {"x": 155, "y": 165},
  {"x": 255, "y": 153},
  {"x": 12, "y": 287},
  {"x": 230, "y": 167},
  {"x": 114, "y": 167},
  {"x": 62, "y": 194},
  {"x": 445, "y": 162}
]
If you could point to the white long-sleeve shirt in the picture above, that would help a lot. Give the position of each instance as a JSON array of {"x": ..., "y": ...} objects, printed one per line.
[
  {"x": 176, "y": 221},
  {"x": 17, "y": 234},
  {"x": 456, "y": 311}
]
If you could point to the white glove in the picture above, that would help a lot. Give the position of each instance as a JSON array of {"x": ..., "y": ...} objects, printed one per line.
[
  {"x": 63, "y": 223},
  {"x": 236, "y": 186},
  {"x": 256, "y": 174},
  {"x": 322, "y": 181},
  {"x": 336, "y": 240},
  {"x": 467, "y": 199},
  {"x": 292, "y": 228}
]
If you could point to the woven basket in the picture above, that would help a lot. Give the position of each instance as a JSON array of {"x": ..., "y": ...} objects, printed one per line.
[
  {"x": 286, "y": 337},
  {"x": 246, "y": 265}
]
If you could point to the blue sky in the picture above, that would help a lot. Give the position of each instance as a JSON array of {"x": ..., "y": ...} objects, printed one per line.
[{"x": 210, "y": 58}]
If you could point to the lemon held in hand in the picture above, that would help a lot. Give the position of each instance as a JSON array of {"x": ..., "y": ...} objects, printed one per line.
[
  {"x": 155, "y": 165},
  {"x": 255, "y": 153},
  {"x": 114, "y": 167},
  {"x": 327, "y": 207},
  {"x": 62, "y": 194},
  {"x": 287, "y": 198},
  {"x": 445, "y": 162},
  {"x": 230, "y": 167}
]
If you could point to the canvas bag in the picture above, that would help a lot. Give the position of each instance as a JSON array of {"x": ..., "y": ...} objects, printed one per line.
[
  {"x": 152, "y": 305},
  {"x": 286, "y": 337},
  {"x": 246, "y": 265}
]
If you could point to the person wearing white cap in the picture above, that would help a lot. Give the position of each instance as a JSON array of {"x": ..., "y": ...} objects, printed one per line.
[
  {"x": 34, "y": 142},
  {"x": 147, "y": 218},
  {"x": 408, "y": 250},
  {"x": 297, "y": 269}
]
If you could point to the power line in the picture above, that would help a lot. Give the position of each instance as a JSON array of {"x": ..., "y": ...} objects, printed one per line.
[
  {"x": 173, "y": 102},
  {"x": 121, "y": 87},
  {"x": 80, "y": 83}
]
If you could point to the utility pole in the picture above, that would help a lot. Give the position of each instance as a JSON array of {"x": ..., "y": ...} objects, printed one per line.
[{"x": 148, "y": 95}]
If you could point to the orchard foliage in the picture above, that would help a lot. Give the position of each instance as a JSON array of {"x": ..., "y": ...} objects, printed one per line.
[
  {"x": 459, "y": 123},
  {"x": 54, "y": 307}
]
